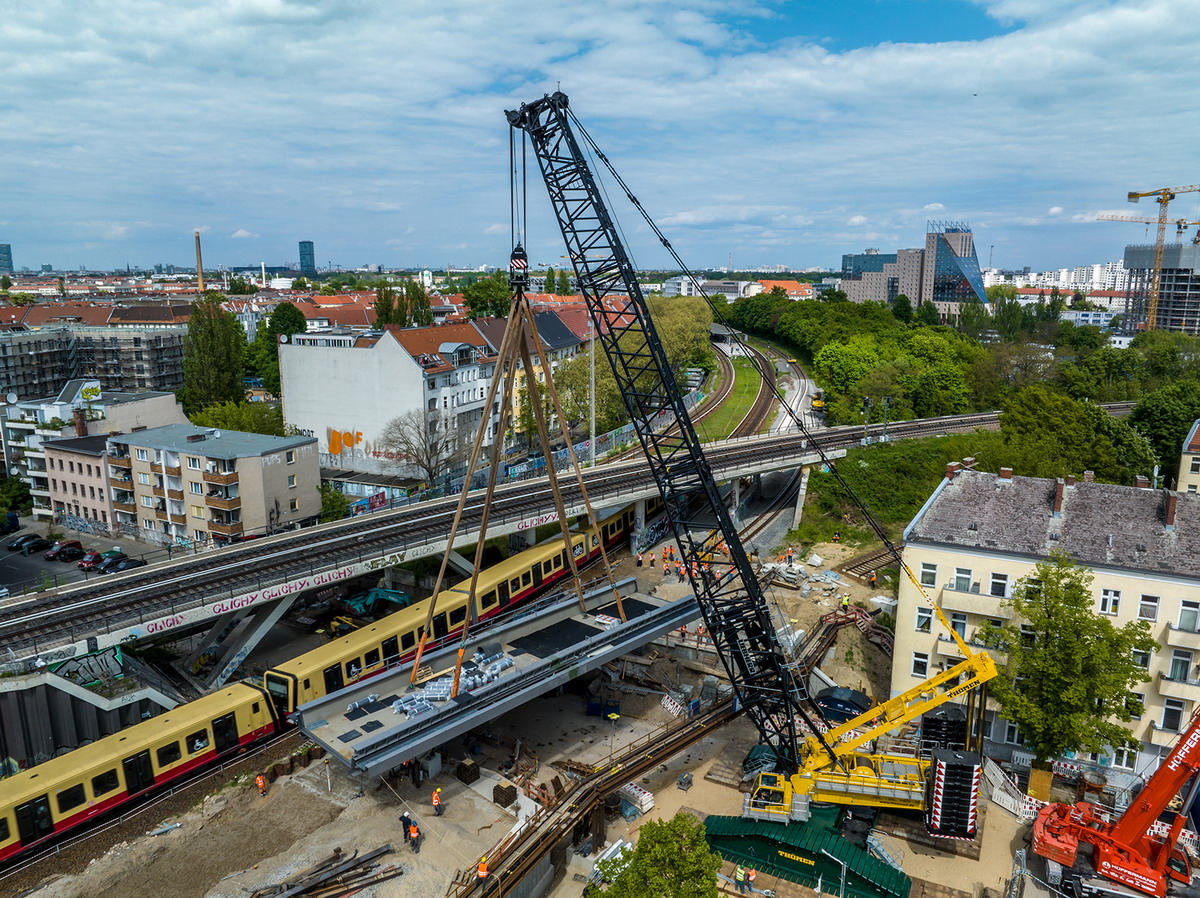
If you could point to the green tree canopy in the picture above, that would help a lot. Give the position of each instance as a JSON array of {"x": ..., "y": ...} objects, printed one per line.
[
  {"x": 927, "y": 314},
  {"x": 335, "y": 505},
  {"x": 902, "y": 308},
  {"x": 1164, "y": 418},
  {"x": 302, "y": 283},
  {"x": 212, "y": 356},
  {"x": 489, "y": 297},
  {"x": 671, "y": 860},
  {"x": 564, "y": 283},
  {"x": 240, "y": 286},
  {"x": 5, "y": 282},
  {"x": 1069, "y": 677},
  {"x": 1047, "y": 434},
  {"x": 247, "y": 417}
]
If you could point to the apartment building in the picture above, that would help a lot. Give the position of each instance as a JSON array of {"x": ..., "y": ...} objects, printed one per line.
[
  {"x": 80, "y": 408},
  {"x": 77, "y": 478},
  {"x": 980, "y": 533},
  {"x": 1189, "y": 461},
  {"x": 182, "y": 484}
]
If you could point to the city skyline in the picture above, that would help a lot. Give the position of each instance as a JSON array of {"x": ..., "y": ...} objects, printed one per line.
[{"x": 775, "y": 133}]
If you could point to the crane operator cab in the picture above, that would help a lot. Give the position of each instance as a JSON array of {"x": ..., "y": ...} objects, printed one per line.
[{"x": 772, "y": 799}]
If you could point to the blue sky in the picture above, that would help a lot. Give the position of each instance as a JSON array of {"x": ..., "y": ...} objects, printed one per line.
[{"x": 757, "y": 132}]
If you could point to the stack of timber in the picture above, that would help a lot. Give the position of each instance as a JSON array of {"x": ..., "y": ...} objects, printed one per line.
[{"x": 335, "y": 877}]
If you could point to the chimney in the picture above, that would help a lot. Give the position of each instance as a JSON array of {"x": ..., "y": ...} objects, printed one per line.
[
  {"x": 1089, "y": 476},
  {"x": 952, "y": 468},
  {"x": 1169, "y": 511},
  {"x": 1142, "y": 482},
  {"x": 969, "y": 462},
  {"x": 1006, "y": 473},
  {"x": 1070, "y": 480},
  {"x": 80, "y": 417},
  {"x": 1058, "y": 498}
]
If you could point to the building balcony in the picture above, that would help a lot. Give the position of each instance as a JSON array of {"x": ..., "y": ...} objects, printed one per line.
[
  {"x": 175, "y": 494},
  {"x": 39, "y": 491},
  {"x": 974, "y": 603},
  {"x": 159, "y": 491},
  {"x": 161, "y": 514},
  {"x": 121, "y": 483},
  {"x": 1171, "y": 687},
  {"x": 234, "y": 529},
  {"x": 156, "y": 467},
  {"x": 221, "y": 502},
  {"x": 177, "y": 518},
  {"x": 172, "y": 470},
  {"x": 1165, "y": 738},
  {"x": 1182, "y": 639},
  {"x": 127, "y": 507},
  {"x": 25, "y": 423},
  {"x": 119, "y": 461},
  {"x": 222, "y": 479}
]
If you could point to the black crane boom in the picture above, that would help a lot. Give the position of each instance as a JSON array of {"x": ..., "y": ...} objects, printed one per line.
[{"x": 734, "y": 608}]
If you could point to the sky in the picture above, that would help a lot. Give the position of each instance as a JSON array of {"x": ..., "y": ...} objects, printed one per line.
[{"x": 754, "y": 132}]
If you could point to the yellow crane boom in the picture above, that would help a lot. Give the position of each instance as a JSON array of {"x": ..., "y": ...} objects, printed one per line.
[{"x": 1163, "y": 197}]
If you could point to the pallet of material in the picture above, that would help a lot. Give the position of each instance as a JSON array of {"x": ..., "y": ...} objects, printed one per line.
[{"x": 637, "y": 796}]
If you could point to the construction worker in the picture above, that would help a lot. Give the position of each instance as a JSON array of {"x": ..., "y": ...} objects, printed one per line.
[
  {"x": 651, "y": 558},
  {"x": 414, "y": 837},
  {"x": 671, "y": 552},
  {"x": 872, "y": 580},
  {"x": 261, "y": 782},
  {"x": 750, "y": 874},
  {"x": 437, "y": 802},
  {"x": 679, "y": 571},
  {"x": 739, "y": 879},
  {"x": 639, "y": 559},
  {"x": 405, "y": 823},
  {"x": 482, "y": 870},
  {"x": 845, "y": 602},
  {"x": 789, "y": 555},
  {"x": 837, "y": 536},
  {"x": 666, "y": 568},
  {"x": 683, "y": 633}
]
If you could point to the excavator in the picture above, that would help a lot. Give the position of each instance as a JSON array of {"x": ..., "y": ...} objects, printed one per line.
[
  {"x": 1135, "y": 850},
  {"x": 815, "y": 764}
]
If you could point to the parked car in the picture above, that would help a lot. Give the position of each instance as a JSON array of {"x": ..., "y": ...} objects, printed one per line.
[
  {"x": 70, "y": 553},
  {"x": 108, "y": 565},
  {"x": 37, "y": 544},
  {"x": 53, "y": 553},
  {"x": 92, "y": 559},
  {"x": 20, "y": 541},
  {"x": 123, "y": 564}
]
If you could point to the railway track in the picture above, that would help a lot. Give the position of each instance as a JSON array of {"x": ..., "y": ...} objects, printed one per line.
[
  {"x": 766, "y": 398},
  {"x": 55, "y": 617}
]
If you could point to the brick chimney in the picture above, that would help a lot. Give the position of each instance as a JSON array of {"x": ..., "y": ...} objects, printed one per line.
[
  {"x": 1169, "y": 510},
  {"x": 1006, "y": 473},
  {"x": 1070, "y": 480},
  {"x": 80, "y": 417},
  {"x": 1058, "y": 498},
  {"x": 952, "y": 468},
  {"x": 1089, "y": 476},
  {"x": 969, "y": 462},
  {"x": 1142, "y": 482}
]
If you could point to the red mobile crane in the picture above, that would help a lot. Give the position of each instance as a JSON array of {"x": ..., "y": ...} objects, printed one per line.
[{"x": 1125, "y": 851}]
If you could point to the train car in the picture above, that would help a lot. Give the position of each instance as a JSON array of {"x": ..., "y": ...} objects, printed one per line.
[
  {"x": 393, "y": 639},
  {"x": 41, "y": 804}
]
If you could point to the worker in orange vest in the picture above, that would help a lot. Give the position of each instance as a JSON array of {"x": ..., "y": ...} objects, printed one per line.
[
  {"x": 414, "y": 837},
  {"x": 437, "y": 802},
  {"x": 482, "y": 871},
  {"x": 261, "y": 782},
  {"x": 651, "y": 558},
  {"x": 750, "y": 874}
]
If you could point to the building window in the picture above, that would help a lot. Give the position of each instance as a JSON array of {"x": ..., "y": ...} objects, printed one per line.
[
  {"x": 148, "y": 501},
  {"x": 1148, "y": 609},
  {"x": 928, "y": 574},
  {"x": 1000, "y": 585},
  {"x": 1181, "y": 665},
  {"x": 1172, "y": 715},
  {"x": 962, "y": 579},
  {"x": 199, "y": 536},
  {"x": 148, "y": 524},
  {"x": 294, "y": 505},
  {"x": 958, "y": 623},
  {"x": 290, "y": 457},
  {"x": 1012, "y": 734},
  {"x": 920, "y": 664},
  {"x": 924, "y": 620},
  {"x": 144, "y": 479},
  {"x": 140, "y": 454},
  {"x": 198, "y": 511},
  {"x": 1124, "y": 758},
  {"x": 1136, "y": 704},
  {"x": 291, "y": 481},
  {"x": 1110, "y": 601},
  {"x": 196, "y": 488},
  {"x": 193, "y": 463},
  {"x": 1195, "y": 465},
  {"x": 1141, "y": 659},
  {"x": 1189, "y": 616}
]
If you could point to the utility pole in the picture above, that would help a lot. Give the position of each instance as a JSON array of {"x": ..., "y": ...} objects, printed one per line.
[
  {"x": 866, "y": 421},
  {"x": 887, "y": 413}
]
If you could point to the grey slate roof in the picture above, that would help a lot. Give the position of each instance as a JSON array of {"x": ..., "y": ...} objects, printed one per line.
[
  {"x": 230, "y": 444},
  {"x": 554, "y": 333},
  {"x": 1102, "y": 524},
  {"x": 94, "y": 445}
]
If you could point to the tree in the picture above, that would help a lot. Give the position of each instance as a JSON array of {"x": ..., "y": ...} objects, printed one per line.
[
  {"x": 973, "y": 318},
  {"x": 240, "y": 286},
  {"x": 15, "y": 496},
  {"x": 334, "y": 504},
  {"x": 927, "y": 314},
  {"x": 247, "y": 417},
  {"x": 1069, "y": 676},
  {"x": 388, "y": 307},
  {"x": 1164, "y": 418},
  {"x": 5, "y": 282},
  {"x": 284, "y": 320},
  {"x": 1048, "y": 434},
  {"x": 420, "y": 310},
  {"x": 902, "y": 308},
  {"x": 489, "y": 297},
  {"x": 212, "y": 356},
  {"x": 551, "y": 281},
  {"x": 302, "y": 283},
  {"x": 672, "y": 860},
  {"x": 428, "y": 441},
  {"x": 22, "y": 299},
  {"x": 564, "y": 284}
]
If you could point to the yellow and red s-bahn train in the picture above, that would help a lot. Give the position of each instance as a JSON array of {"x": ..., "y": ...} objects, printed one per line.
[{"x": 43, "y": 803}]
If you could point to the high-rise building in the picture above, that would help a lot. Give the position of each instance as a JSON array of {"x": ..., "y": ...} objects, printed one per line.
[
  {"x": 951, "y": 273},
  {"x": 308, "y": 258},
  {"x": 1178, "y": 290},
  {"x": 6, "y": 257}
]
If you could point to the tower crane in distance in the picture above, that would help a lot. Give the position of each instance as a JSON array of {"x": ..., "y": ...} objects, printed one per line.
[{"x": 1163, "y": 197}]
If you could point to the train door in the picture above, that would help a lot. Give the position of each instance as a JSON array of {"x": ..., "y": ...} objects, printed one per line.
[
  {"x": 139, "y": 775},
  {"x": 537, "y": 574},
  {"x": 502, "y": 588},
  {"x": 34, "y": 821},
  {"x": 280, "y": 689},
  {"x": 333, "y": 678},
  {"x": 441, "y": 629},
  {"x": 391, "y": 651},
  {"x": 225, "y": 733}
]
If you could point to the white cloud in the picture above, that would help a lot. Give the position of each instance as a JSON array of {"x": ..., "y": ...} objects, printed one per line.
[
  {"x": 857, "y": 220},
  {"x": 241, "y": 234},
  {"x": 1055, "y": 210},
  {"x": 933, "y": 207}
]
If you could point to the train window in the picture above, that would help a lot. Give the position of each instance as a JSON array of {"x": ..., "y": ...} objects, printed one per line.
[
  {"x": 490, "y": 599},
  {"x": 307, "y": 684},
  {"x": 526, "y": 578},
  {"x": 353, "y": 668},
  {"x": 371, "y": 658},
  {"x": 458, "y": 615},
  {"x": 514, "y": 585},
  {"x": 169, "y": 754},
  {"x": 254, "y": 708},
  {"x": 3, "y": 829},
  {"x": 440, "y": 627},
  {"x": 105, "y": 782},
  {"x": 547, "y": 567},
  {"x": 71, "y": 798},
  {"x": 408, "y": 640},
  {"x": 197, "y": 741},
  {"x": 391, "y": 650}
]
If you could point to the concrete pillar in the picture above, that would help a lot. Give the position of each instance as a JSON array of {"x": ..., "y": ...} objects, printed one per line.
[
  {"x": 736, "y": 492},
  {"x": 639, "y": 514},
  {"x": 756, "y": 485},
  {"x": 800, "y": 496},
  {"x": 461, "y": 564}
]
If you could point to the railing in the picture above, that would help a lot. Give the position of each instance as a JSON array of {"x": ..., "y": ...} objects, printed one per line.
[{"x": 219, "y": 477}]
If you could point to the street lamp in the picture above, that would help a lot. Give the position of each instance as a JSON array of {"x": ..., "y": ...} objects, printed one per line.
[{"x": 612, "y": 735}]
